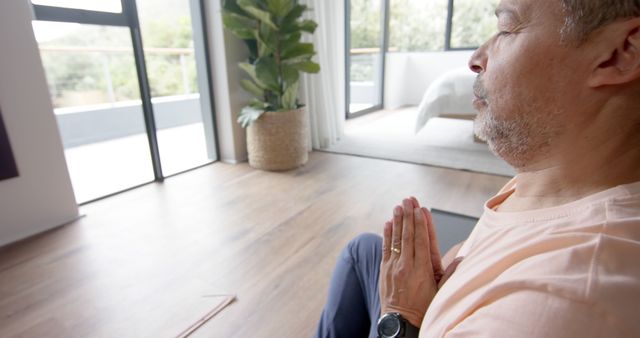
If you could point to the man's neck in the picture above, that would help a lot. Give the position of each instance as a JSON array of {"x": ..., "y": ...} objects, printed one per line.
[{"x": 578, "y": 171}]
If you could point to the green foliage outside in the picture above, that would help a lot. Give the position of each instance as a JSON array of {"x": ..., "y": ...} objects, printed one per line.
[
  {"x": 362, "y": 68},
  {"x": 420, "y": 25},
  {"x": 365, "y": 23},
  {"x": 164, "y": 70},
  {"x": 417, "y": 26},
  {"x": 78, "y": 78},
  {"x": 474, "y": 22}
]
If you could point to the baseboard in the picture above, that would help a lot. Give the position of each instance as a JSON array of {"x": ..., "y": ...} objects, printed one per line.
[{"x": 39, "y": 232}]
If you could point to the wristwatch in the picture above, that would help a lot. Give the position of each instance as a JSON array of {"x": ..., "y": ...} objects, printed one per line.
[{"x": 393, "y": 325}]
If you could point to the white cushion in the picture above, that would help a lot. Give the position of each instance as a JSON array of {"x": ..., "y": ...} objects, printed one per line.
[{"x": 451, "y": 93}]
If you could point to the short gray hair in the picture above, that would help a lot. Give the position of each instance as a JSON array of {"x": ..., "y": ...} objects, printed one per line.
[{"x": 583, "y": 17}]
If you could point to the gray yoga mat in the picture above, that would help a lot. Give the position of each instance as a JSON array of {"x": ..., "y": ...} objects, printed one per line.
[{"x": 451, "y": 228}]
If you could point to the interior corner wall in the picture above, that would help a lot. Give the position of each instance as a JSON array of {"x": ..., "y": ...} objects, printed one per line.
[
  {"x": 408, "y": 75},
  {"x": 41, "y": 197},
  {"x": 225, "y": 53}
]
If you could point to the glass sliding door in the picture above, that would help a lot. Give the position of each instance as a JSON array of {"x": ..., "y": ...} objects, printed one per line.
[
  {"x": 179, "y": 102},
  {"x": 96, "y": 99},
  {"x": 366, "y": 36},
  {"x": 125, "y": 110}
]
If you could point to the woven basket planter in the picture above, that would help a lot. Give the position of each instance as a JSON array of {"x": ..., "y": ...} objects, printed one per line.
[{"x": 278, "y": 141}]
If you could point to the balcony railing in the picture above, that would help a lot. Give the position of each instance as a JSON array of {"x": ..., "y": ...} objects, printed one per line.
[{"x": 105, "y": 55}]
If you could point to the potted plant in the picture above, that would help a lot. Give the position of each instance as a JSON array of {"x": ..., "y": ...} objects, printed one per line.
[{"x": 277, "y": 124}]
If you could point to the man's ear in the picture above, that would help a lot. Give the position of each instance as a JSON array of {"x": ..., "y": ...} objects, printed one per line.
[{"x": 620, "y": 60}]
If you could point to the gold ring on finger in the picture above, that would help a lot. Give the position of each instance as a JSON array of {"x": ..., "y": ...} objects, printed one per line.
[{"x": 396, "y": 250}]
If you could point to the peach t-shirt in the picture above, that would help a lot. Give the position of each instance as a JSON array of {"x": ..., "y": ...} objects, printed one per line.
[{"x": 566, "y": 271}]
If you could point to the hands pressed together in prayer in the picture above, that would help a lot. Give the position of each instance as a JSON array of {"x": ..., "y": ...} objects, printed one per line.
[{"x": 411, "y": 271}]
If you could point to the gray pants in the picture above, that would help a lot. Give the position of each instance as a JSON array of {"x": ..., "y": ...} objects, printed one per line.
[{"x": 353, "y": 306}]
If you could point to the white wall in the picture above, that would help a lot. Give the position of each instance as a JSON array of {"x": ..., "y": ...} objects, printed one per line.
[
  {"x": 407, "y": 75},
  {"x": 225, "y": 53},
  {"x": 41, "y": 197}
]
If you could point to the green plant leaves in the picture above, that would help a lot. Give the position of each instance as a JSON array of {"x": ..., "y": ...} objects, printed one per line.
[
  {"x": 308, "y": 26},
  {"x": 297, "y": 50},
  {"x": 251, "y": 71},
  {"x": 250, "y": 7},
  {"x": 295, "y": 13},
  {"x": 239, "y": 25},
  {"x": 291, "y": 39},
  {"x": 280, "y": 8},
  {"x": 289, "y": 98},
  {"x": 267, "y": 73},
  {"x": 267, "y": 40},
  {"x": 232, "y": 6},
  {"x": 251, "y": 87},
  {"x": 307, "y": 66},
  {"x": 272, "y": 30},
  {"x": 289, "y": 23},
  {"x": 290, "y": 75},
  {"x": 249, "y": 114}
]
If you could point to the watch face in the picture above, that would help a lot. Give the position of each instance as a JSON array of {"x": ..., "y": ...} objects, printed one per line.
[{"x": 389, "y": 326}]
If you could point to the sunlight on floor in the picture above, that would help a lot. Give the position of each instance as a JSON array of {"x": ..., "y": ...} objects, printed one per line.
[{"x": 103, "y": 168}]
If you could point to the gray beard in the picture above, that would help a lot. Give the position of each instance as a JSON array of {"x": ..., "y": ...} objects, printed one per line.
[{"x": 521, "y": 140}]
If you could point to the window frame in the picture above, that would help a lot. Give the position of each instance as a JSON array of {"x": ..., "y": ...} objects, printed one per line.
[
  {"x": 384, "y": 49},
  {"x": 449, "y": 31}
]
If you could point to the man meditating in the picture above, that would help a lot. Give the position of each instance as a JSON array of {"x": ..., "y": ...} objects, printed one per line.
[{"x": 557, "y": 252}]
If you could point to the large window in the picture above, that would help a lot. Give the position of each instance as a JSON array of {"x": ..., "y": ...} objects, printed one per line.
[
  {"x": 425, "y": 25},
  {"x": 129, "y": 85}
]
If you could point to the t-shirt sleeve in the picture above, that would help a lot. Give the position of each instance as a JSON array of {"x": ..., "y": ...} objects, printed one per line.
[{"x": 534, "y": 314}]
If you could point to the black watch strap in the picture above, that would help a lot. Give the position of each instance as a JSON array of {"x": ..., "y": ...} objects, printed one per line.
[
  {"x": 401, "y": 326},
  {"x": 410, "y": 331}
]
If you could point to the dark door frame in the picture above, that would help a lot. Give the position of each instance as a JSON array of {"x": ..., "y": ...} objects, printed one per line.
[{"x": 384, "y": 46}]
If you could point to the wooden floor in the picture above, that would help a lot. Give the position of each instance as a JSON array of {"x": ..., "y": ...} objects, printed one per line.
[{"x": 149, "y": 262}]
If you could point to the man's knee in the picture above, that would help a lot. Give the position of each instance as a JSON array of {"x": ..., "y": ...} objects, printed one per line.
[{"x": 363, "y": 246}]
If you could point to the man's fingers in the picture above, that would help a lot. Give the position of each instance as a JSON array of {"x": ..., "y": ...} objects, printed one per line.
[
  {"x": 436, "y": 259},
  {"x": 396, "y": 235},
  {"x": 408, "y": 232},
  {"x": 386, "y": 242},
  {"x": 422, "y": 251},
  {"x": 450, "y": 270},
  {"x": 415, "y": 202}
]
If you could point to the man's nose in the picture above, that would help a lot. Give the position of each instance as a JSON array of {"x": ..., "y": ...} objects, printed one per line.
[{"x": 478, "y": 61}]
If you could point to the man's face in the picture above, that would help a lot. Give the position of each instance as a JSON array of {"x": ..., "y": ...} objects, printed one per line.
[{"x": 526, "y": 79}]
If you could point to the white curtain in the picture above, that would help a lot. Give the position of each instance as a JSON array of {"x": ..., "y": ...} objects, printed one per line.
[{"x": 324, "y": 93}]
